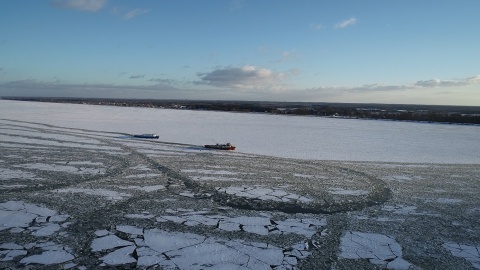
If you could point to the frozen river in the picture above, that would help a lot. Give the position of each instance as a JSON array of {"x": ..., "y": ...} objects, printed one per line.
[
  {"x": 313, "y": 138},
  {"x": 78, "y": 199}
]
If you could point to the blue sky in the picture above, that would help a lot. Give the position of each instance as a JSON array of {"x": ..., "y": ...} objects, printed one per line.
[{"x": 372, "y": 51}]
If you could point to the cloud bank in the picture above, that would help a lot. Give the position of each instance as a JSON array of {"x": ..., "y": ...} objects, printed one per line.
[
  {"x": 449, "y": 83},
  {"x": 83, "y": 5},
  {"x": 134, "y": 13},
  {"x": 251, "y": 83},
  {"x": 430, "y": 84},
  {"x": 246, "y": 77}
]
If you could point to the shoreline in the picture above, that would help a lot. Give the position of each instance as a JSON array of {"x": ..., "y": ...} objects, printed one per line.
[{"x": 392, "y": 112}]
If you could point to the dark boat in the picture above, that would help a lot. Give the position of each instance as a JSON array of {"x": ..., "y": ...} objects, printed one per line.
[
  {"x": 227, "y": 146},
  {"x": 146, "y": 136}
]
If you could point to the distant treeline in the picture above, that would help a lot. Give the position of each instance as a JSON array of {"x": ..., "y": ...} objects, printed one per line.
[{"x": 427, "y": 113}]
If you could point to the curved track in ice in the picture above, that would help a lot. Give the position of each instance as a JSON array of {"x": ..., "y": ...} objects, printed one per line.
[{"x": 287, "y": 188}]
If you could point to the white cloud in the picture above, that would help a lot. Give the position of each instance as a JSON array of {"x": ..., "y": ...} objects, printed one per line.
[
  {"x": 134, "y": 13},
  {"x": 380, "y": 87},
  {"x": 472, "y": 80},
  {"x": 346, "y": 23},
  {"x": 246, "y": 77},
  {"x": 84, "y": 5},
  {"x": 447, "y": 83},
  {"x": 435, "y": 83}
]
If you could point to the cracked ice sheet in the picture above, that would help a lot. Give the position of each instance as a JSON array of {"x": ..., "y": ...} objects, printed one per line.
[
  {"x": 52, "y": 253},
  {"x": 62, "y": 168},
  {"x": 191, "y": 251},
  {"x": 265, "y": 194},
  {"x": 378, "y": 249},
  {"x": 8, "y": 138},
  {"x": 7, "y": 174},
  {"x": 107, "y": 194},
  {"x": 109, "y": 242},
  {"x": 469, "y": 253},
  {"x": 49, "y": 257},
  {"x": 58, "y": 137},
  {"x": 257, "y": 225},
  {"x": 17, "y": 214},
  {"x": 21, "y": 146}
]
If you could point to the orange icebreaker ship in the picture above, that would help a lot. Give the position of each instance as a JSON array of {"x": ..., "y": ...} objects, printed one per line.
[{"x": 227, "y": 146}]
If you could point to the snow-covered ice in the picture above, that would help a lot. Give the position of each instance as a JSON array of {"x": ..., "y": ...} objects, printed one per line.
[{"x": 293, "y": 137}]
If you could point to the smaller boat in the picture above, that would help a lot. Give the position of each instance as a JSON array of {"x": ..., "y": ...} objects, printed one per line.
[
  {"x": 226, "y": 146},
  {"x": 146, "y": 136}
]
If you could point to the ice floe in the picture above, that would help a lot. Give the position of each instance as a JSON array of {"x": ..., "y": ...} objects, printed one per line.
[
  {"x": 341, "y": 191},
  {"x": 62, "y": 168},
  {"x": 107, "y": 194},
  {"x": 109, "y": 242},
  {"x": 145, "y": 188},
  {"x": 19, "y": 217},
  {"x": 378, "y": 249},
  {"x": 179, "y": 250},
  {"x": 265, "y": 194},
  {"x": 468, "y": 252},
  {"x": 7, "y": 174},
  {"x": 49, "y": 257},
  {"x": 261, "y": 225},
  {"x": 17, "y": 214}
]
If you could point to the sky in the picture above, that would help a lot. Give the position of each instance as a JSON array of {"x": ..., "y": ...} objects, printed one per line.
[{"x": 370, "y": 51}]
